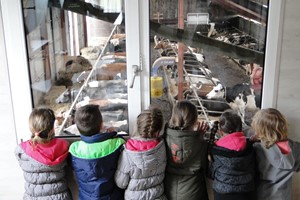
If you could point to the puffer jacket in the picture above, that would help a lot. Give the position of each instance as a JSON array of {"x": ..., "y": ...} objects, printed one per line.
[
  {"x": 276, "y": 170},
  {"x": 94, "y": 161},
  {"x": 44, "y": 170},
  {"x": 186, "y": 165},
  {"x": 142, "y": 173},
  {"x": 233, "y": 166}
]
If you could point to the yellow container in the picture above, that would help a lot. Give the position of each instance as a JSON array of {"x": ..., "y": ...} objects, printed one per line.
[{"x": 156, "y": 86}]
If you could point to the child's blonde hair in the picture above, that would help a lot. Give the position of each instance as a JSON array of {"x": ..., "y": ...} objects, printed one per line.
[
  {"x": 184, "y": 116},
  {"x": 270, "y": 126},
  {"x": 41, "y": 122},
  {"x": 149, "y": 123}
]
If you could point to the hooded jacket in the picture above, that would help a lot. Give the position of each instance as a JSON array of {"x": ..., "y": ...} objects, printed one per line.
[
  {"x": 276, "y": 170},
  {"x": 233, "y": 165},
  {"x": 141, "y": 169},
  {"x": 44, "y": 169},
  {"x": 187, "y": 159},
  {"x": 94, "y": 160}
]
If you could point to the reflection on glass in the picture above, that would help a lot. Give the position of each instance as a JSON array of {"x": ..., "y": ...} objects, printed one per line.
[
  {"x": 76, "y": 56},
  {"x": 219, "y": 48}
]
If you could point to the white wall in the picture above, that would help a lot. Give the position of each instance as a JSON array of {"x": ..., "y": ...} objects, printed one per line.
[
  {"x": 289, "y": 76},
  {"x": 11, "y": 177}
]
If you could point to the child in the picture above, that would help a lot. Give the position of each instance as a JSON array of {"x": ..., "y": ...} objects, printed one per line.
[
  {"x": 277, "y": 156},
  {"x": 43, "y": 159},
  {"x": 186, "y": 154},
  {"x": 95, "y": 157},
  {"x": 233, "y": 161},
  {"x": 141, "y": 167}
]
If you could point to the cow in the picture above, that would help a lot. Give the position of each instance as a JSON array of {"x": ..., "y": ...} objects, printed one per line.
[
  {"x": 74, "y": 65},
  {"x": 110, "y": 89},
  {"x": 69, "y": 95},
  {"x": 240, "y": 97}
]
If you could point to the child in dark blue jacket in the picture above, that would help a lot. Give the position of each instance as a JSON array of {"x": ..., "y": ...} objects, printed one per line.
[
  {"x": 95, "y": 157},
  {"x": 233, "y": 161}
]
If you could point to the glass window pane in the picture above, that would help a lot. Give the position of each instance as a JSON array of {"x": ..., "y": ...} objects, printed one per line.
[
  {"x": 219, "y": 51},
  {"x": 76, "y": 55}
]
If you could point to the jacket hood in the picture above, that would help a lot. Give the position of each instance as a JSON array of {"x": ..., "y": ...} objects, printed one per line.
[
  {"x": 145, "y": 159},
  {"x": 280, "y": 160},
  {"x": 234, "y": 141},
  {"x": 52, "y": 153},
  {"x": 141, "y": 145},
  {"x": 183, "y": 146},
  {"x": 84, "y": 150}
]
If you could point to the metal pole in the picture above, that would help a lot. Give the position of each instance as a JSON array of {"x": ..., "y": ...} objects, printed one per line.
[{"x": 117, "y": 22}]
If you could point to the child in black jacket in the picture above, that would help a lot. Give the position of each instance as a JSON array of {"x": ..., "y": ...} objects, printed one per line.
[{"x": 232, "y": 161}]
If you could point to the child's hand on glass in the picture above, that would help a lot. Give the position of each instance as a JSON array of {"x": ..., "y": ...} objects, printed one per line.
[
  {"x": 202, "y": 127},
  {"x": 109, "y": 129}
]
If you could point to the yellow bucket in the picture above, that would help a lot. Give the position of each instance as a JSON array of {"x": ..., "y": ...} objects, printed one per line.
[{"x": 156, "y": 86}]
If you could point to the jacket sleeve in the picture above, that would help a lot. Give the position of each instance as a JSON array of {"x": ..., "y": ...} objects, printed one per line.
[
  {"x": 296, "y": 150},
  {"x": 122, "y": 175},
  {"x": 20, "y": 155}
]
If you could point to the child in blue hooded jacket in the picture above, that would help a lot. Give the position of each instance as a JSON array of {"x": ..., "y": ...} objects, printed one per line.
[{"x": 95, "y": 157}]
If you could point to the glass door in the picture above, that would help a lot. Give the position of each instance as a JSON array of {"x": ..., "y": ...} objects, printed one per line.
[{"x": 77, "y": 56}]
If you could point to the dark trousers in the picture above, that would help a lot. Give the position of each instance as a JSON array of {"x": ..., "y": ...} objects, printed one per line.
[{"x": 233, "y": 196}]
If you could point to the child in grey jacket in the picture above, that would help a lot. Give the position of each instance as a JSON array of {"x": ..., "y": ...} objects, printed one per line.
[
  {"x": 141, "y": 166},
  {"x": 43, "y": 159},
  {"x": 277, "y": 156}
]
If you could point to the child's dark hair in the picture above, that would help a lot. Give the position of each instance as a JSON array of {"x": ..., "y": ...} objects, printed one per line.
[
  {"x": 184, "y": 115},
  {"x": 41, "y": 123},
  {"x": 88, "y": 120},
  {"x": 230, "y": 122},
  {"x": 149, "y": 123}
]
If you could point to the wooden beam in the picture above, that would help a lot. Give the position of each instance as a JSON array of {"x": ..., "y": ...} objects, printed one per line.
[
  {"x": 230, "y": 5},
  {"x": 180, "y": 50},
  {"x": 209, "y": 45}
]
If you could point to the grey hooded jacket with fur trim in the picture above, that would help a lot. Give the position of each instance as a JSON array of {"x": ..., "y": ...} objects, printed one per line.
[{"x": 142, "y": 173}]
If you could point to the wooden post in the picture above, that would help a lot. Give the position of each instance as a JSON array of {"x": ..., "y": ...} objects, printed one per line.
[{"x": 180, "y": 50}]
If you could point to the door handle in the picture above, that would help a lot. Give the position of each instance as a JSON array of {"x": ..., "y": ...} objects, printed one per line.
[{"x": 136, "y": 70}]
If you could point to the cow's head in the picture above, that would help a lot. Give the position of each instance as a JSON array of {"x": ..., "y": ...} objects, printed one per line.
[
  {"x": 65, "y": 97},
  {"x": 218, "y": 92},
  {"x": 69, "y": 95}
]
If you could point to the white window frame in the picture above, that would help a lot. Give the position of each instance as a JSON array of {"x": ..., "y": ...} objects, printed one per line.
[
  {"x": 272, "y": 54},
  {"x": 17, "y": 65},
  {"x": 137, "y": 54}
]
